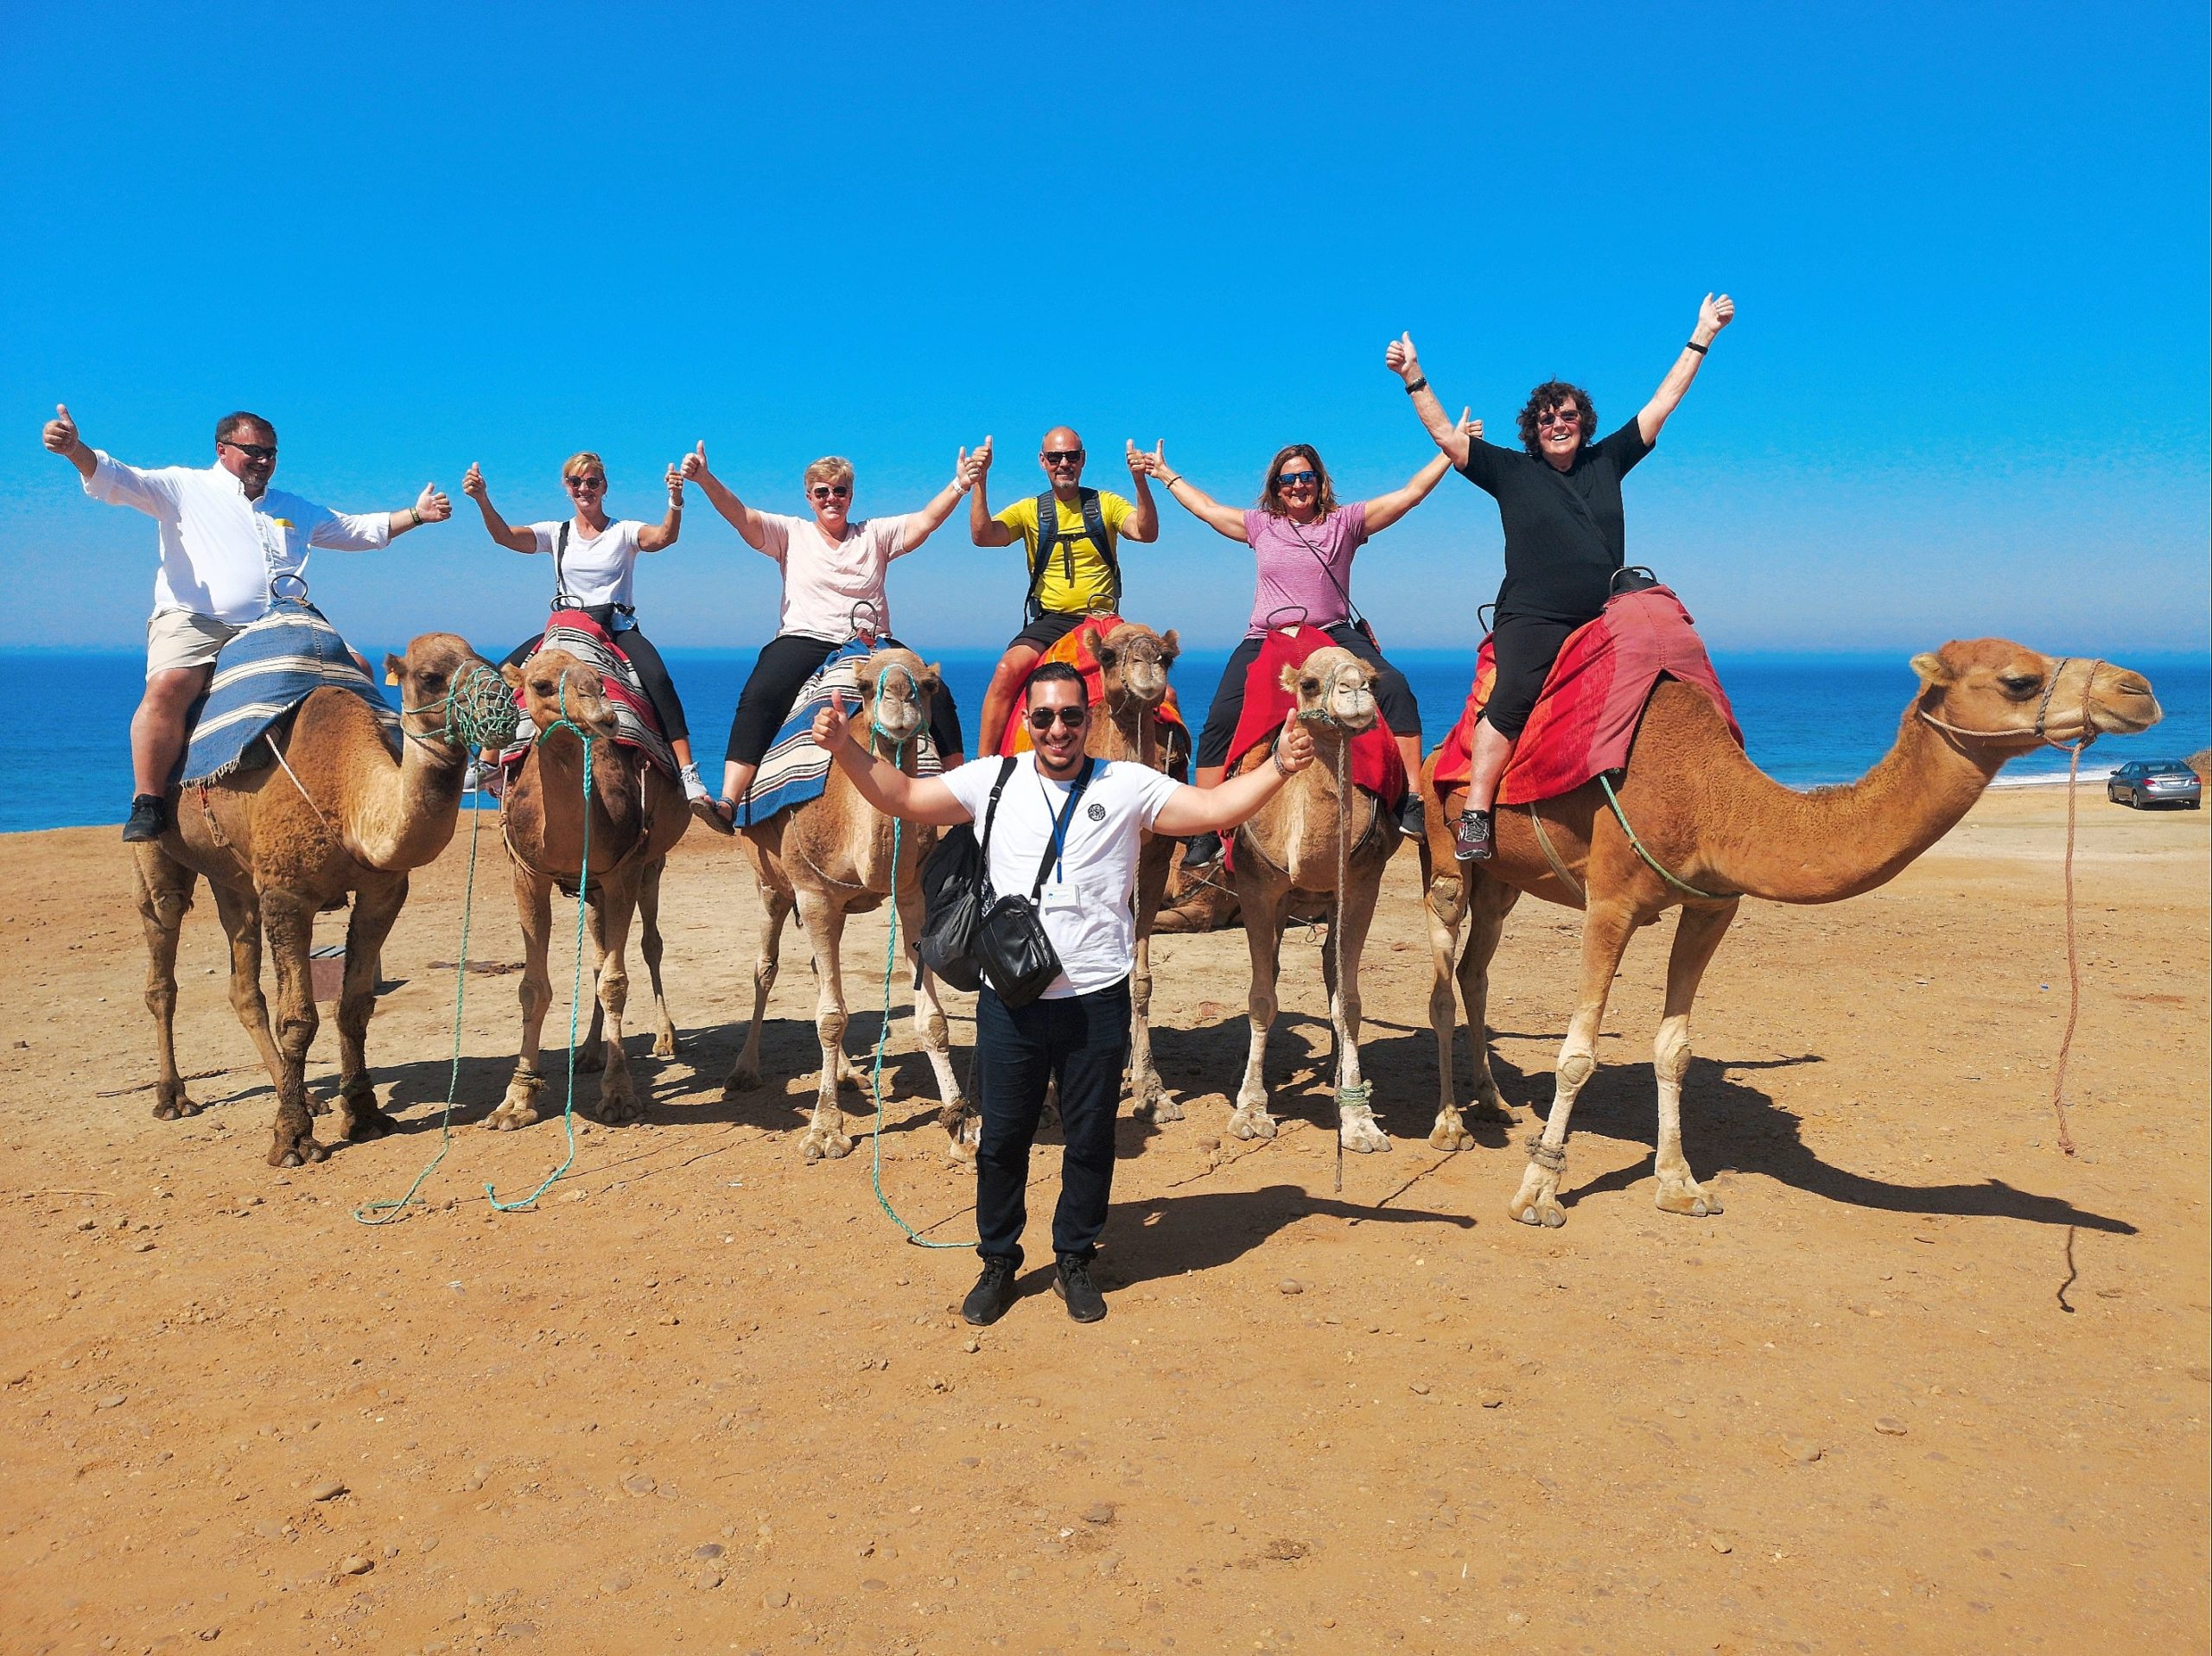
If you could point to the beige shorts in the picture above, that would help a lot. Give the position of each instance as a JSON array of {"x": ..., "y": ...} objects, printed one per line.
[{"x": 179, "y": 638}]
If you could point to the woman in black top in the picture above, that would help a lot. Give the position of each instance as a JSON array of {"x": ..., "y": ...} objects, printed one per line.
[{"x": 1559, "y": 497}]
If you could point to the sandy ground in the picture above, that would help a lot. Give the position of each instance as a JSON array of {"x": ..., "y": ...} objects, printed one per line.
[{"x": 1926, "y": 1385}]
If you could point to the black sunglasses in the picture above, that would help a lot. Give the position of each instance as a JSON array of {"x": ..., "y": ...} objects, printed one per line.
[
  {"x": 830, "y": 491},
  {"x": 1041, "y": 719},
  {"x": 1062, "y": 456},
  {"x": 253, "y": 451},
  {"x": 1292, "y": 479}
]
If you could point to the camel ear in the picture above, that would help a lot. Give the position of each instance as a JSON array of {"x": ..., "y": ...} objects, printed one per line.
[
  {"x": 1933, "y": 674},
  {"x": 391, "y": 666},
  {"x": 1290, "y": 681},
  {"x": 512, "y": 674},
  {"x": 1169, "y": 648},
  {"x": 933, "y": 677}
]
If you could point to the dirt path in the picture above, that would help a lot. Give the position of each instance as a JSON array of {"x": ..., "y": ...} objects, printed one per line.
[{"x": 1926, "y": 1385}]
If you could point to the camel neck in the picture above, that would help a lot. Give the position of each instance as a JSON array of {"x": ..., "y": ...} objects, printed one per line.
[{"x": 405, "y": 812}]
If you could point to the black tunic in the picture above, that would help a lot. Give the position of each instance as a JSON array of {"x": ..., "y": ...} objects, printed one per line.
[{"x": 1565, "y": 536}]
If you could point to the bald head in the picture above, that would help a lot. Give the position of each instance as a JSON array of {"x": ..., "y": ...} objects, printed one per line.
[{"x": 1061, "y": 455}]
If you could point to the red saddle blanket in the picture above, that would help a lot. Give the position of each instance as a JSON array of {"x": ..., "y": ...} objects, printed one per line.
[
  {"x": 1079, "y": 648},
  {"x": 1585, "y": 717},
  {"x": 636, "y": 725},
  {"x": 1376, "y": 765}
]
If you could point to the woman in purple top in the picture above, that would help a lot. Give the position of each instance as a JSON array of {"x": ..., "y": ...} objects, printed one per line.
[{"x": 1304, "y": 542}]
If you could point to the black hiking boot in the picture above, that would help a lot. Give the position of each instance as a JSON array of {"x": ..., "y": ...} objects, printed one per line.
[
  {"x": 994, "y": 1292},
  {"x": 1073, "y": 1283},
  {"x": 1473, "y": 842},
  {"x": 1412, "y": 819},
  {"x": 150, "y": 814},
  {"x": 1202, "y": 850}
]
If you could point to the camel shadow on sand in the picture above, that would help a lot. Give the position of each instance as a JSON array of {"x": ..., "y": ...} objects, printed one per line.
[{"x": 1171, "y": 1234}]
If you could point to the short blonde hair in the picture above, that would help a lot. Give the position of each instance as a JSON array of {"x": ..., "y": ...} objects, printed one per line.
[
  {"x": 577, "y": 465},
  {"x": 831, "y": 468}
]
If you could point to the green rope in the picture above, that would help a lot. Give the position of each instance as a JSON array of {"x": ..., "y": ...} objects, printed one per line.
[
  {"x": 1651, "y": 861},
  {"x": 576, "y": 981}
]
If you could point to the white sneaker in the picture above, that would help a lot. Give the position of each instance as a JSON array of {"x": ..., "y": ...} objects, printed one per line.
[{"x": 694, "y": 790}]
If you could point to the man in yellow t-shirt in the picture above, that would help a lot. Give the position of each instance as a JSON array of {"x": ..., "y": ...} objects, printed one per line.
[{"x": 1071, "y": 572}]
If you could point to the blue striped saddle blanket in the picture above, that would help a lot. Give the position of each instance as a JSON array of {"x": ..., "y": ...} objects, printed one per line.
[
  {"x": 261, "y": 678},
  {"x": 794, "y": 769}
]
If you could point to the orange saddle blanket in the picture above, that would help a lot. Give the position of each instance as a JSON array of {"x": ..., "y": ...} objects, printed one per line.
[{"x": 1079, "y": 648}]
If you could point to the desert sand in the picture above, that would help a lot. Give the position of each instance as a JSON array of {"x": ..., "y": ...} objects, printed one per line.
[{"x": 1927, "y": 1385}]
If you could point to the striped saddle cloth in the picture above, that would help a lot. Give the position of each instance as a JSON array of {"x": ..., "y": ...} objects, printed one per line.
[
  {"x": 635, "y": 727},
  {"x": 261, "y": 678},
  {"x": 794, "y": 769}
]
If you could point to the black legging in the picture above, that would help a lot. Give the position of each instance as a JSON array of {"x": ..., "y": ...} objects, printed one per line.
[
  {"x": 787, "y": 661},
  {"x": 1523, "y": 648},
  {"x": 1394, "y": 697},
  {"x": 651, "y": 670}
]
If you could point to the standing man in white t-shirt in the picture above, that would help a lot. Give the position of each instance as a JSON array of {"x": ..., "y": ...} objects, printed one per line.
[
  {"x": 834, "y": 566},
  {"x": 1077, "y": 1032},
  {"x": 226, "y": 539}
]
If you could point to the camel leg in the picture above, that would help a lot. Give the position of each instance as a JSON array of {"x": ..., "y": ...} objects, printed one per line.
[
  {"x": 1263, "y": 920},
  {"x": 1606, "y": 929},
  {"x": 591, "y": 1056},
  {"x": 825, "y": 929},
  {"x": 610, "y": 930},
  {"x": 775, "y": 909},
  {"x": 288, "y": 923},
  {"x": 1696, "y": 937},
  {"x": 534, "y": 907},
  {"x": 164, "y": 893},
  {"x": 375, "y": 908},
  {"x": 1493, "y": 899},
  {"x": 1356, "y": 1123},
  {"x": 960, "y": 1122},
  {"x": 649, "y": 945},
  {"x": 1152, "y": 1103},
  {"x": 241, "y": 918}
]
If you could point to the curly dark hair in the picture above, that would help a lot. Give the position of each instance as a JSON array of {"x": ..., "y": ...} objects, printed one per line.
[
  {"x": 1556, "y": 394},
  {"x": 1271, "y": 501}
]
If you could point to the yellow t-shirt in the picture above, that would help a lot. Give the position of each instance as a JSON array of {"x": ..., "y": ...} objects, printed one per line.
[{"x": 1093, "y": 585}]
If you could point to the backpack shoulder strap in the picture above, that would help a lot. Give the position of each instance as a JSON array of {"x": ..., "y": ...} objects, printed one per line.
[
  {"x": 1093, "y": 524},
  {"x": 1048, "y": 532}
]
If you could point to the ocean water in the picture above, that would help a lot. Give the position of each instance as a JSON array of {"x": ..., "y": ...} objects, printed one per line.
[{"x": 1809, "y": 720}]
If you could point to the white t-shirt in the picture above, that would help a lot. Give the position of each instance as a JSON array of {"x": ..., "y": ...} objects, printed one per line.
[
  {"x": 1085, "y": 902},
  {"x": 824, "y": 580},
  {"x": 595, "y": 571}
]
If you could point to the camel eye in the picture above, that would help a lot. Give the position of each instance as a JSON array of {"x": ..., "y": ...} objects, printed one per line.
[
  {"x": 1310, "y": 685},
  {"x": 541, "y": 687},
  {"x": 2018, "y": 685}
]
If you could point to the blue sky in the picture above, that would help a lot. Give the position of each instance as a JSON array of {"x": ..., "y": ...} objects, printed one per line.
[{"x": 1966, "y": 392}]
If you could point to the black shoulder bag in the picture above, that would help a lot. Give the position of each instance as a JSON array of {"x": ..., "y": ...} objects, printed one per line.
[
  {"x": 953, "y": 892},
  {"x": 1017, "y": 956}
]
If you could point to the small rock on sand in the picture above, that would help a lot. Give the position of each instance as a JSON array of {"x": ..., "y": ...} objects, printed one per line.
[
  {"x": 328, "y": 1489},
  {"x": 114, "y": 1400},
  {"x": 711, "y": 1550},
  {"x": 355, "y": 1564},
  {"x": 1719, "y": 1543},
  {"x": 776, "y": 1599},
  {"x": 615, "y": 1583},
  {"x": 640, "y": 1484},
  {"x": 1803, "y": 1451},
  {"x": 1492, "y": 1400},
  {"x": 1291, "y": 1286},
  {"x": 1890, "y": 1426},
  {"x": 1102, "y": 1513}
]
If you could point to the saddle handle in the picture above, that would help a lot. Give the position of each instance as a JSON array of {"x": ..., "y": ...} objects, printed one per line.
[
  {"x": 1298, "y": 610},
  {"x": 1643, "y": 578}
]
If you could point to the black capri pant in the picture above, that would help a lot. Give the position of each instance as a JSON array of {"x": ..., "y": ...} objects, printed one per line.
[
  {"x": 653, "y": 672},
  {"x": 786, "y": 662},
  {"x": 1524, "y": 647},
  {"x": 1392, "y": 693}
]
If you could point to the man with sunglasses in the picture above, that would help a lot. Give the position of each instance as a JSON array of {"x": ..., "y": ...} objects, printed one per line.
[
  {"x": 1559, "y": 497},
  {"x": 1071, "y": 534},
  {"x": 1088, "y": 818},
  {"x": 226, "y": 539}
]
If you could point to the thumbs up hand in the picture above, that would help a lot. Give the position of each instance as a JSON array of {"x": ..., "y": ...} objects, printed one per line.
[
  {"x": 695, "y": 463},
  {"x": 61, "y": 434},
  {"x": 831, "y": 728},
  {"x": 1398, "y": 356},
  {"x": 431, "y": 506}
]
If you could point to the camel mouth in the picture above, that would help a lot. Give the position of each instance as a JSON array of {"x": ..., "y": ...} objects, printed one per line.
[{"x": 2130, "y": 720}]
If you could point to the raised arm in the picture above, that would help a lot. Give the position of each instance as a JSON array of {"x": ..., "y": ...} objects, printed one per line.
[
  {"x": 891, "y": 791},
  {"x": 1217, "y": 810},
  {"x": 1142, "y": 525},
  {"x": 983, "y": 528},
  {"x": 1228, "y": 520},
  {"x": 1714, "y": 315},
  {"x": 654, "y": 538},
  {"x": 921, "y": 525},
  {"x": 515, "y": 539},
  {"x": 742, "y": 518},
  {"x": 430, "y": 506},
  {"x": 1453, "y": 440},
  {"x": 60, "y": 438},
  {"x": 1386, "y": 509}
]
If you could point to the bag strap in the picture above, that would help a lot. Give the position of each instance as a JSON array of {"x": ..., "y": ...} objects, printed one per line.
[
  {"x": 560, "y": 581},
  {"x": 1093, "y": 524},
  {"x": 990, "y": 814},
  {"x": 1343, "y": 591},
  {"x": 1056, "y": 844}
]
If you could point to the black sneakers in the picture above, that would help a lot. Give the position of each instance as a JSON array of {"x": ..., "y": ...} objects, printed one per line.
[
  {"x": 1474, "y": 841},
  {"x": 150, "y": 814},
  {"x": 1202, "y": 850},
  {"x": 988, "y": 1300},
  {"x": 1412, "y": 819},
  {"x": 1073, "y": 1283}
]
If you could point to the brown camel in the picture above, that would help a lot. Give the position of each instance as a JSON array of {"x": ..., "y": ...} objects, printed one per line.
[
  {"x": 280, "y": 844},
  {"x": 829, "y": 858},
  {"x": 637, "y": 815},
  {"x": 1134, "y": 661},
  {"x": 1709, "y": 817},
  {"x": 1293, "y": 848}
]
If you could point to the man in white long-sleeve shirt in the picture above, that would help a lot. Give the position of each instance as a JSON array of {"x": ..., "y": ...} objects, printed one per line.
[{"x": 226, "y": 539}]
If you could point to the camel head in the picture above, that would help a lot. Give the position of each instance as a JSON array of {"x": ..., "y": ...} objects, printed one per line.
[
  {"x": 1333, "y": 687},
  {"x": 437, "y": 676},
  {"x": 555, "y": 686},
  {"x": 2013, "y": 697},
  {"x": 896, "y": 691},
  {"x": 1134, "y": 661}
]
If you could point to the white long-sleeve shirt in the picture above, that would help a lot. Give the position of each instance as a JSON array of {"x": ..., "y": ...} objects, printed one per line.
[{"x": 220, "y": 552}]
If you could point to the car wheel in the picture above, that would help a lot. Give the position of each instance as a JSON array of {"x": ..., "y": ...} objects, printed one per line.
[{"x": 2112, "y": 794}]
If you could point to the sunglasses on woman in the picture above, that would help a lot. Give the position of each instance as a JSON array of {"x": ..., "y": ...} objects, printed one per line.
[
  {"x": 1293, "y": 479},
  {"x": 1041, "y": 719},
  {"x": 830, "y": 491},
  {"x": 1561, "y": 417}
]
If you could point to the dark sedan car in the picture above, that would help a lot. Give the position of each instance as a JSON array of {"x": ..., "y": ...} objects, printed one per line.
[{"x": 2143, "y": 783}]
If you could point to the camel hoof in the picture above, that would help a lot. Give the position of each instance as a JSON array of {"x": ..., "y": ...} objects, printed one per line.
[
  {"x": 743, "y": 1079},
  {"x": 1489, "y": 1105},
  {"x": 818, "y": 1146},
  {"x": 1688, "y": 1200},
  {"x": 174, "y": 1109},
  {"x": 664, "y": 1045},
  {"x": 1363, "y": 1135},
  {"x": 301, "y": 1154},
  {"x": 1251, "y": 1123},
  {"x": 1157, "y": 1109},
  {"x": 508, "y": 1117},
  {"x": 620, "y": 1111},
  {"x": 318, "y": 1106},
  {"x": 1450, "y": 1135},
  {"x": 591, "y": 1059},
  {"x": 369, "y": 1123}
]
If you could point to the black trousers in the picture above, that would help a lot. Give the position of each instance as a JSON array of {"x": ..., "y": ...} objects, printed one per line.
[
  {"x": 653, "y": 672},
  {"x": 1524, "y": 646},
  {"x": 1392, "y": 693},
  {"x": 786, "y": 662},
  {"x": 1081, "y": 1042}
]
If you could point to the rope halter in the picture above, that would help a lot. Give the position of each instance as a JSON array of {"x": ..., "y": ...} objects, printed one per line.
[
  {"x": 2085, "y": 733},
  {"x": 875, "y": 729}
]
